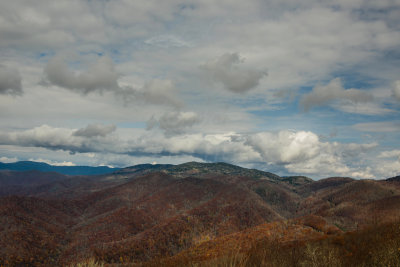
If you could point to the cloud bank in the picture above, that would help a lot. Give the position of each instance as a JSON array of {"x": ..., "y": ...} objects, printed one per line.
[{"x": 297, "y": 152}]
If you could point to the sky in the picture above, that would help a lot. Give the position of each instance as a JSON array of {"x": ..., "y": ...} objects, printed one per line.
[{"x": 292, "y": 87}]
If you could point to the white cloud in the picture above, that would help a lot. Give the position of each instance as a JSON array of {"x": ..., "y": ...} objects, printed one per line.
[
  {"x": 154, "y": 49},
  {"x": 227, "y": 70},
  {"x": 321, "y": 95},
  {"x": 10, "y": 81},
  {"x": 285, "y": 147},
  {"x": 54, "y": 163},
  {"x": 390, "y": 154},
  {"x": 388, "y": 168},
  {"x": 303, "y": 152},
  {"x": 367, "y": 173},
  {"x": 297, "y": 152},
  {"x": 8, "y": 160}
]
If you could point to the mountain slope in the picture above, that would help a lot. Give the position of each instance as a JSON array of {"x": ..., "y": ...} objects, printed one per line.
[
  {"x": 178, "y": 213},
  {"x": 165, "y": 215},
  {"x": 198, "y": 169}
]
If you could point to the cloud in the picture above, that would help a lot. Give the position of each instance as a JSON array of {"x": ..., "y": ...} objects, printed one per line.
[
  {"x": 285, "y": 147},
  {"x": 10, "y": 81},
  {"x": 296, "y": 152},
  {"x": 389, "y": 166},
  {"x": 156, "y": 92},
  {"x": 174, "y": 122},
  {"x": 102, "y": 77},
  {"x": 396, "y": 90},
  {"x": 227, "y": 70},
  {"x": 53, "y": 138},
  {"x": 152, "y": 68},
  {"x": 93, "y": 130},
  {"x": 390, "y": 154},
  {"x": 167, "y": 41},
  {"x": 371, "y": 108},
  {"x": 99, "y": 77},
  {"x": 378, "y": 127},
  {"x": 321, "y": 95},
  {"x": 303, "y": 152},
  {"x": 159, "y": 92},
  {"x": 54, "y": 163},
  {"x": 44, "y": 136},
  {"x": 8, "y": 160}
]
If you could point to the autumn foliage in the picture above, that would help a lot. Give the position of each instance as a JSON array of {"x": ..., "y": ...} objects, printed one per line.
[{"x": 202, "y": 216}]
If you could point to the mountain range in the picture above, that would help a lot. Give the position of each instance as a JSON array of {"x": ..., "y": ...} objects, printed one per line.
[
  {"x": 209, "y": 214},
  {"x": 67, "y": 170}
]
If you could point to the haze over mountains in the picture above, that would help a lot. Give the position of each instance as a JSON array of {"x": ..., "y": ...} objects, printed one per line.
[
  {"x": 44, "y": 167},
  {"x": 174, "y": 214}
]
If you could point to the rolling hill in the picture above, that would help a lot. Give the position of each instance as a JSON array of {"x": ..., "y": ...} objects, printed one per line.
[{"x": 174, "y": 215}]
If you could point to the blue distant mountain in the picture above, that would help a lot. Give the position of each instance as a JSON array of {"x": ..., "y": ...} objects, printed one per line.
[{"x": 67, "y": 170}]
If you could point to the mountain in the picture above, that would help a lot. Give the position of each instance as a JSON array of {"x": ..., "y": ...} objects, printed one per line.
[
  {"x": 19, "y": 182},
  {"x": 67, "y": 170},
  {"x": 199, "y": 214},
  {"x": 198, "y": 169}
]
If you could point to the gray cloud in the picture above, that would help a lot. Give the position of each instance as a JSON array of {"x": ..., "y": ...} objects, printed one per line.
[
  {"x": 396, "y": 90},
  {"x": 93, "y": 130},
  {"x": 159, "y": 92},
  {"x": 10, "y": 81},
  {"x": 174, "y": 122},
  {"x": 321, "y": 95},
  {"x": 227, "y": 70},
  {"x": 301, "y": 43},
  {"x": 59, "y": 139},
  {"x": 167, "y": 41},
  {"x": 378, "y": 127},
  {"x": 43, "y": 136},
  {"x": 99, "y": 77},
  {"x": 102, "y": 77},
  {"x": 156, "y": 92},
  {"x": 370, "y": 108}
]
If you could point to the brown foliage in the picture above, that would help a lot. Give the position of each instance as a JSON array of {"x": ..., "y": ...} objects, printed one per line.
[{"x": 210, "y": 220}]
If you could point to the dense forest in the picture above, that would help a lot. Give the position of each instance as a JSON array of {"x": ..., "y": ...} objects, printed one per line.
[{"x": 197, "y": 214}]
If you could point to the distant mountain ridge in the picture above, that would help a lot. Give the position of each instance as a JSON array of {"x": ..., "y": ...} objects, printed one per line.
[
  {"x": 67, "y": 170},
  {"x": 198, "y": 169}
]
